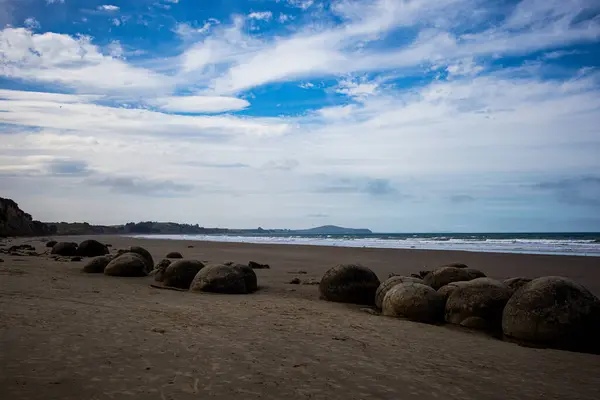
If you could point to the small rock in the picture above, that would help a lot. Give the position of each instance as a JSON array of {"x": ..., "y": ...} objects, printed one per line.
[
  {"x": 190, "y": 247},
  {"x": 51, "y": 243},
  {"x": 75, "y": 259},
  {"x": 255, "y": 265},
  {"x": 295, "y": 281},
  {"x": 1, "y": 260},
  {"x": 311, "y": 282},
  {"x": 369, "y": 310},
  {"x": 108, "y": 245}
]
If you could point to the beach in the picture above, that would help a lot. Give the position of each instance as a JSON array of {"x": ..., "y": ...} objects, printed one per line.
[{"x": 69, "y": 335}]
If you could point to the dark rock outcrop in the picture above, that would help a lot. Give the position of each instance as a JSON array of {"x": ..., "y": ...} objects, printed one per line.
[
  {"x": 181, "y": 273},
  {"x": 389, "y": 283},
  {"x": 478, "y": 304},
  {"x": 555, "y": 312},
  {"x": 51, "y": 243},
  {"x": 445, "y": 275},
  {"x": 349, "y": 283},
  {"x": 67, "y": 249},
  {"x": 414, "y": 301},
  {"x": 16, "y": 222},
  {"x": 221, "y": 278},
  {"x": 97, "y": 264},
  {"x": 128, "y": 264},
  {"x": 91, "y": 248}
]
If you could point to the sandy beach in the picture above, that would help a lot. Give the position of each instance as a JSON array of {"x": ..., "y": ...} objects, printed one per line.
[{"x": 69, "y": 335}]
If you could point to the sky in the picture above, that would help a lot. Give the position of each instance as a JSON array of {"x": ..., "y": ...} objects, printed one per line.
[{"x": 398, "y": 116}]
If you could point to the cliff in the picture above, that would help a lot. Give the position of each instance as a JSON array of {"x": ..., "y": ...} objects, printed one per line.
[{"x": 16, "y": 222}]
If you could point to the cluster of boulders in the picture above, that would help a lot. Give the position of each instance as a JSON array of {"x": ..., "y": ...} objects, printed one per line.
[
  {"x": 549, "y": 311},
  {"x": 182, "y": 274}
]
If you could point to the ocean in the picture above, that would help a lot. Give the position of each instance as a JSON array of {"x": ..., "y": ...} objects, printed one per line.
[{"x": 582, "y": 244}]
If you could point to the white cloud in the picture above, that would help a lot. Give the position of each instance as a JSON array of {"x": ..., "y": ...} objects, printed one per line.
[
  {"x": 31, "y": 23},
  {"x": 303, "y": 4},
  {"x": 325, "y": 50},
  {"x": 55, "y": 1},
  {"x": 52, "y": 113},
  {"x": 261, "y": 15},
  {"x": 464, "y": 67},
  {"x": 108, "y": 7},
  {"x": 357, "y": 88},
  {"x": 306, "y": 85},
  {"x": 185, "y": 30},
  {"x": 199, "y": 104},
  {"x": 72, "y": 62},
  {"x": 283, "y": 18}
]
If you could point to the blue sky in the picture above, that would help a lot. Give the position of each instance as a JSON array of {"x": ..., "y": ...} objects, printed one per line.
[{"x": 423, "y": 115}]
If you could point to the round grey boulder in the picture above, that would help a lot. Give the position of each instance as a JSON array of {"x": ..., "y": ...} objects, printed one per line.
[
  {"x": 221, "y": 278},
  {"x": 97, "y": 264},
  {"x": 445, "y": 275},
  {"x": 128, "y": 264},
  {"x": 174, "y": 254},
  {"x": 477, "y": 304},
  {"x": 555, "y": 312},
  {"x": 91, "y": 248},
  {"x": 159, "y": 269},
  {"x": 149, "y": 261},
  {"x": 414, "y": 301},
  {"x": 67, "y": 249},
  {"x": 389, "y": 283},
  {"x": 516, "y": 283},
  {"x": 447, "y": 290},
  {"x": 181, "y": 273},
  {"x": 349, "y": 283}
]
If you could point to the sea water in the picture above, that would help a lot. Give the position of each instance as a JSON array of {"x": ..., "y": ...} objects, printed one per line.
[{"x": 582, "y": 244}]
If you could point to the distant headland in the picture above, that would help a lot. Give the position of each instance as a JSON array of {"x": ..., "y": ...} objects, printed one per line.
[{"x": 16, "y": 222}]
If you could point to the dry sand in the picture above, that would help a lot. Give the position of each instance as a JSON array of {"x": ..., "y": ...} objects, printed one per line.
[{"x": 69, "y": 335}]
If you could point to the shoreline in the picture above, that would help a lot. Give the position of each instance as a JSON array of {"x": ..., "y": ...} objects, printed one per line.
[{"x": 349, "y": 243}]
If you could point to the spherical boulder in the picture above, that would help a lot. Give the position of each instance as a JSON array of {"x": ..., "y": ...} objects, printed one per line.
[
  {"x": 174, "y": 254},
  {"x": 349, "y": 283},
  {"x": 555, "y": 312},
  {"x": 181, "y": 273},
  {"x": 91, "y": 248},
  {"x": 455, "y": 265},
  {"x": 97, "y": 264},
  {"x": 445, "y": 275},
  {"x": 67, "y": 249},
  {"x": 389, "y": 283},
  {"x": 249, "y": 277},
  {"x": 51, "y": 243},
  {"x": 149, "y": 261},
  {"x": 414, "y": 301},
  {"x": 221, "y": 278},
  {"x": 159, "y": 269},
  {"x": 128, "y": 264},
  {"x": 477, "y": 304},
  {"x": 516, "y": 283},
  {"x": 447, "y": 290}
]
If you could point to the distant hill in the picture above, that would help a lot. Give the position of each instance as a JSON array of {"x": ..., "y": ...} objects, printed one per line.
[{"x": 332, "y": 230}]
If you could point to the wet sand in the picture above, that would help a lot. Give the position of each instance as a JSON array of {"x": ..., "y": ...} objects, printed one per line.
[{"x": 69, "y": 335}]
